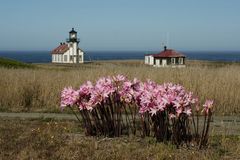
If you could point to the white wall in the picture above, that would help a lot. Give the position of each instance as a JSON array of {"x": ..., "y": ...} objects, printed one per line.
[
  {"x": 73, "y": 50},
  {"x": 151, "y": 60},
  {"x": 146, "y": 59},
  {"x": 157, "y": 62},
  {"x": 81, "y": 54}
]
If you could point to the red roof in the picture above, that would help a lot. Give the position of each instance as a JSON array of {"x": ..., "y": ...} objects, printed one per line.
[
  {"x": 61, "y": 49},
  {"x": 168, "y": 53}
]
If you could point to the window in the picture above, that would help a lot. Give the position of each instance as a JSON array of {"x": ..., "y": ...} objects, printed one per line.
[
  {"x": 173, "y": 60},
  {"x": 65, "y": 58},
  {"x": 80, "y": 57},
  {"x": 53, "y": 57}
]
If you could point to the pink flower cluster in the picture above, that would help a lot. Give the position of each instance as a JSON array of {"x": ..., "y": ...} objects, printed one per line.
[
  {"x": 148, "y": 96},
  {"x": 89, "y": 96},
  {"x": 68, "y": 97},
  {"x": 109, "y": 107},
  {"x": 166, "y": 97}
]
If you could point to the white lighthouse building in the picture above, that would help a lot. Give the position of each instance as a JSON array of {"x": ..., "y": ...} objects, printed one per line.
[{"x": 68, "y": 52}]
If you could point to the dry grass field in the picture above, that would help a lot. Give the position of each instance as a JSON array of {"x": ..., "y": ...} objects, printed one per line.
[{"x": 38, "y": 89}]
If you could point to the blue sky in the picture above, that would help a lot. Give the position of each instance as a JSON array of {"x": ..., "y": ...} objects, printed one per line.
[{"x": 121, "y": 24}]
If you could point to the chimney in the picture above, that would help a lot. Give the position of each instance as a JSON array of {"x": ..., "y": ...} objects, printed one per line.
[{"x": 165, "y": 48}]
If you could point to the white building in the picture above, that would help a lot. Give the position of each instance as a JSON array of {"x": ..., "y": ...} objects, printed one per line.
[
  {"x": 166, "y": 58},
  {"x": 68, "y": 52},
  {"x": 149, "y": 59}
]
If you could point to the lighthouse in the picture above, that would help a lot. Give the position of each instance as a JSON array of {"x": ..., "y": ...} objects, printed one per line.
[{"x": 68, "y": 52}]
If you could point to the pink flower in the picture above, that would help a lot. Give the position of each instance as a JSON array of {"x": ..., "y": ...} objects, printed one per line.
[
  {"x": 130, "y": 90},
  {"x": 177, "y": 104},
  {"x": 188, "y": 111},
  {"x": 86, "y": 88},
  {"x": 178, "y": 111},
  {"x": 136, "y": 85},
  {"x": 153, "y": 111},
  {"x": 69, "y": 97},
  {"x": 103, "y": 89},
  {"x": 106, "y": 85},
  {"x": 168, "y": 98},
  {"x": 85, "y": 92},
  {"x": 96, "y": 98},
  {"x": 119, "y": 78},
  {"x": 207, "y": 106}
]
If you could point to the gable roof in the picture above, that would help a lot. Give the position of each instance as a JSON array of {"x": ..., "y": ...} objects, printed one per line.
[
  {"x": 168, "y": 53},
  {"x": 61, "y": 49}
]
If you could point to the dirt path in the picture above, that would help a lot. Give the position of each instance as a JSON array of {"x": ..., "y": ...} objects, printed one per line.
[
  {"x": 59, "y": 116},
  {"x": 229, "y": 125}
]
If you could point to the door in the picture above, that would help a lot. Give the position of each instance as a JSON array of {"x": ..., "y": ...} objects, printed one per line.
[{"x": 164, "y": 62}]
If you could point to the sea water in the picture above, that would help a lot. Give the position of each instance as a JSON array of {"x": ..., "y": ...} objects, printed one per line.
[{"x": 45, "y": 56}]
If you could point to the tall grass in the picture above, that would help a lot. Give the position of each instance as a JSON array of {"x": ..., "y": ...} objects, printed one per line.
[{"x": 39, "y": 89}]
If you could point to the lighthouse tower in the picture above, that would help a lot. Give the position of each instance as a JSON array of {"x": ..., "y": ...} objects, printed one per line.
[
  {"x": 73, "y": 42},
  {"x": 68, "y": 52}
]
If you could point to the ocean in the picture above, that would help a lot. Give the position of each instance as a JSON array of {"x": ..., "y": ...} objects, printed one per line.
[{"x": 45, "y": 56}]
